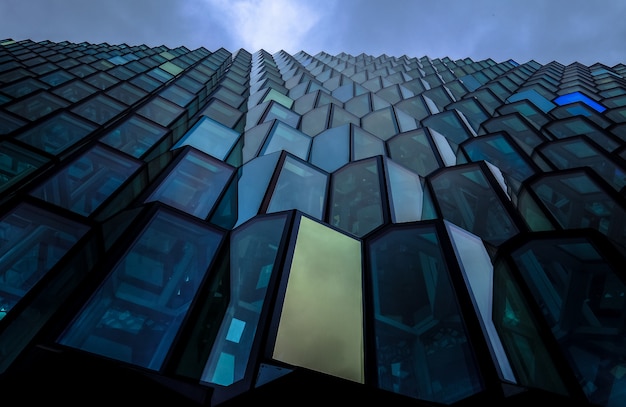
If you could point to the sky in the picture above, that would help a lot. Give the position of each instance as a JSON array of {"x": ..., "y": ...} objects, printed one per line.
[{"x": 565, "y": 31}]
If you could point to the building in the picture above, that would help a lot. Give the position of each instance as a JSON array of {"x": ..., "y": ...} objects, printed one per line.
[{"x": 217, "y": 228}]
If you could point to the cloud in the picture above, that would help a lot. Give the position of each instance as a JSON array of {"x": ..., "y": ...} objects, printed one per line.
[{"x": 272, "y": 25}]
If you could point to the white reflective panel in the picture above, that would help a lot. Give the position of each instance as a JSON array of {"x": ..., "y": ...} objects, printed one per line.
[
  {"x": 477, "y": 268},
  {"x": 405, "y": 191}
]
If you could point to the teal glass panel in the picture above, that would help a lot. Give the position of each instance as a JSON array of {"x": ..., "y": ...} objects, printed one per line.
[
  {"x": 9, "y": 123},
  {"x": 579, "y": 97},
  {"x": 194, "y": 184},
  {"x": 316, "y": 120},
  {"x": 573, "y": 153},
  {"x": 177, "y": 95},
  {"x": 359, "y": 105},
  {"x": 32, "y": 242},
  {"x": 439, "y": 96},
  {"x": 422, "y": 349},
  {"x": 365, "y": 145},
  {"x": 101, "y": 80},
  {"x": 526, "y": 109},
  {"x": 415, "y": 107},
  {"x": 498, "y": 150},
  {"x": 339, "y": 117},
  {"x": 58, "y": 134},
  {"x": 577, "y": 201},
  {"x": 16, "y": 163},
  {"x": 57, "y": 78},
  {"x": 472, "y": 110},
  {"x": 523, "y": 133},
  {"x": 299, "y": 186},
  {"x": 521, "y": 335},
  {"x": 467, "y": 199},
  {"x": 75, "y": 91},
  {"x": 331, "y": 149},
  {"x": 160, "y": 75},
  {"x": 449, "y": 125},
  {"x": 84, "y": 184},
  {"x": 211, "y": 137},
  {"x": 405, "y": 193},
  {"x": 135, "y": 136},
  {"x": 533, "y": 96},
  {"x": 161, "y": 111},
  {"x": 252, "y": 182},
  {"x": 222, "y": 113},
  {"x": 253, "y": 139},
  {"x": 579, "y": 126},
  {"x": 23, "y": 87},
  {"x": 414, "y": 151},
  {"x": 355, "y": 205},
  {"x": 470, "y": 82},
  {"x": 127, "y": 93},
  {"x": 581, "y": 296},
  {"x": 38, "y": 105},
  {"x": 136, "y": 313},
  {"x": 254, "y": 249},
  {"x": 99, "y": 109},
  {"x": 284, "y": 137},
  {"x": 145, "y": 82},
  {"x": 405, "y": 121},
  {"x": 280, "y": 112},
  {"x": 381, "y": 123}
]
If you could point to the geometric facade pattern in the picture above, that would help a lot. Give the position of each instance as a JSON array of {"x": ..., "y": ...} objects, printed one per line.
[{"x": 222, "y": 227}]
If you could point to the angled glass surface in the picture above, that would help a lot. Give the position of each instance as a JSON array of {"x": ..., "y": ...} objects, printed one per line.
[
  {"x": 356, "y": 205},
  {"x": 381, "y": 123},
  {"x": 299, "y": 186},
  {"x": 578, "y": 125},
  {"x": 23, "y": 87},
  {"x": 252, "y": 181},
  {"x": 321, "y": 320},
  {"x": 194, "y": 184},
  {"x": 519, "y": 129},
  {"x": 365, "y": 145},
  {"x": 38, "y": 105},
  {"x": 253, "y": 253},
  {"x": 281, "y": 113},
  {"x": 331, "y": 149},
  {"x": 99, "y": 109},
  {"x": 414, "y": 151},
  {"x": 449, "y": 125},
  {"x": 126, "y": 93},
  {"x": 581, "y": 296},
  {"x": 535, "y": 98},
  {"x": 422, "y": 349},
  {"x": 161, "y": 111},
  {"x": 284, "y": 137},
  {"x": 75, "y": 91},
  {"x": 576, "y": 200},
  {"x": 406, "y": 196},
  {"x": 135, "y": 136},
  {"x": 16, "y": 163},
  {"x": 579, "y": 97},
  {"x": 58, "y": 134},
  {"x": 33, "y": 241},
  {"x": 84, "y": 184},
  {"x": 316, "y": 120},
  {"x": 467, "y": 199},
  {"x": 222, "y": 113},
  {"x": 211, "y": 137},
  {"x": 136, "y": 313}
]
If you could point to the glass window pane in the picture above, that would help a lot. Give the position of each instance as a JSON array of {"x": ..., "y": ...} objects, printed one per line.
[
  {"x": 36, "y": 106},
  {"x": 16, "y": 163},
  {"x": 289, "y": 139},
  {"x": 210, "y": 137},
  {"x": 57, "y": 134},
  {"x": 331, "y": 149},
  {"x": 254, "y": 248},
  {"x": 135, "y": 136},
  {"x": 405, "y": 193},
  {"x": 161, "y": 111},
  {"x": 88, "y": 181},
  {"x": 194, "y": 184},
  {"x": 32, "y": 241},
  {"x": 99, "y": 109},
  {"x": 136, "y": 313},
  {"x": 422, "y": 349},
  {"x": 126, "y": 93},
  {"x": 299, "y": 186}
]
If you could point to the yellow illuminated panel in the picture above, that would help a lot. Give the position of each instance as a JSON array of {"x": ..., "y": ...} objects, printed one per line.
[{"x": 321, "y": 325}]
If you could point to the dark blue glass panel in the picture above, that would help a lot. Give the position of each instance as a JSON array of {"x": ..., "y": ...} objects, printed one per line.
[
  {"x": 136, "y": 313},
  {"x": 135, "y": 136},
  {"x": 331, "y": 148},
  {"x": 211, "y": 137},
  {"x": 57, "y": 134}
]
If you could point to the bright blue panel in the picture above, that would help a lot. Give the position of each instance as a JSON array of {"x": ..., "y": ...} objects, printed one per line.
[{"x": 579, "y": 97}]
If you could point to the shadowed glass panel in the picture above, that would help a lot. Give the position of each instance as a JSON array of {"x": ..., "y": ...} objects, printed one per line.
[
  {"x": 381, "y": 123},
  {"x": 253, "y": 251},
  {"x": 16, "y": 163},
  {"x": 99, "y": 109},
  {"x": 136, "y": 313},
  {"x": 365, "y": 145},
  {"x": 32, "y": 241},
  {"x": 88, "y": 181},
  {"x": 356, "y": 201},
  {"x": 57, "y": 134},
  {"x": 135, "y": 136},
  {"x": 211, "y": 137},
  {"x": 161, "y": 111},
  {"x": 194, "y": 185},
  {"x": 36, "y": 106},
  {"x": 422, "y": 349},
  {"x": 331, "y": 149},
  {"x": 406, "y": 196},
  {"x": 413, "y": 150},
  {"x": 284, "y": 137}
]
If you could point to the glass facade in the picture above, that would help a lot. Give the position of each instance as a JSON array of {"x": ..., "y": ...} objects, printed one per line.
[{"x": 226, "y": 227}]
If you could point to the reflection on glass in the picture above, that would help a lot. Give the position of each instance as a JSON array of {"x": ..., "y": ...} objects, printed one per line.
[
  {"x": 88, "y": 181},
  {"x": 135, "y": 136},
  {"x": 321, "y": 323},
  {"x": 32, "y": 241},
  {"x": 16, "y": 163},
  {"x": 136, "y": 313},
  {"x": 414, "y": 151},
  {"x": 331, "y": 148},
  {"x": 194, "y": 184},
  {"x": 57, "y": 134},
  {"x": 211, "y": 137},
  {"x": 405, "y": 193},
  {"x": 582, "y": 298},
  {"x": 422, "y": 349},
  {"x": 253, "y": 179},
  {"x": 253, "y": 251},
  {"x": 284, "y": 137},
  {"x": 161, "y": 111},
  {"x": 355, "y": 201},
  {"x": 299, "y": 186}
]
